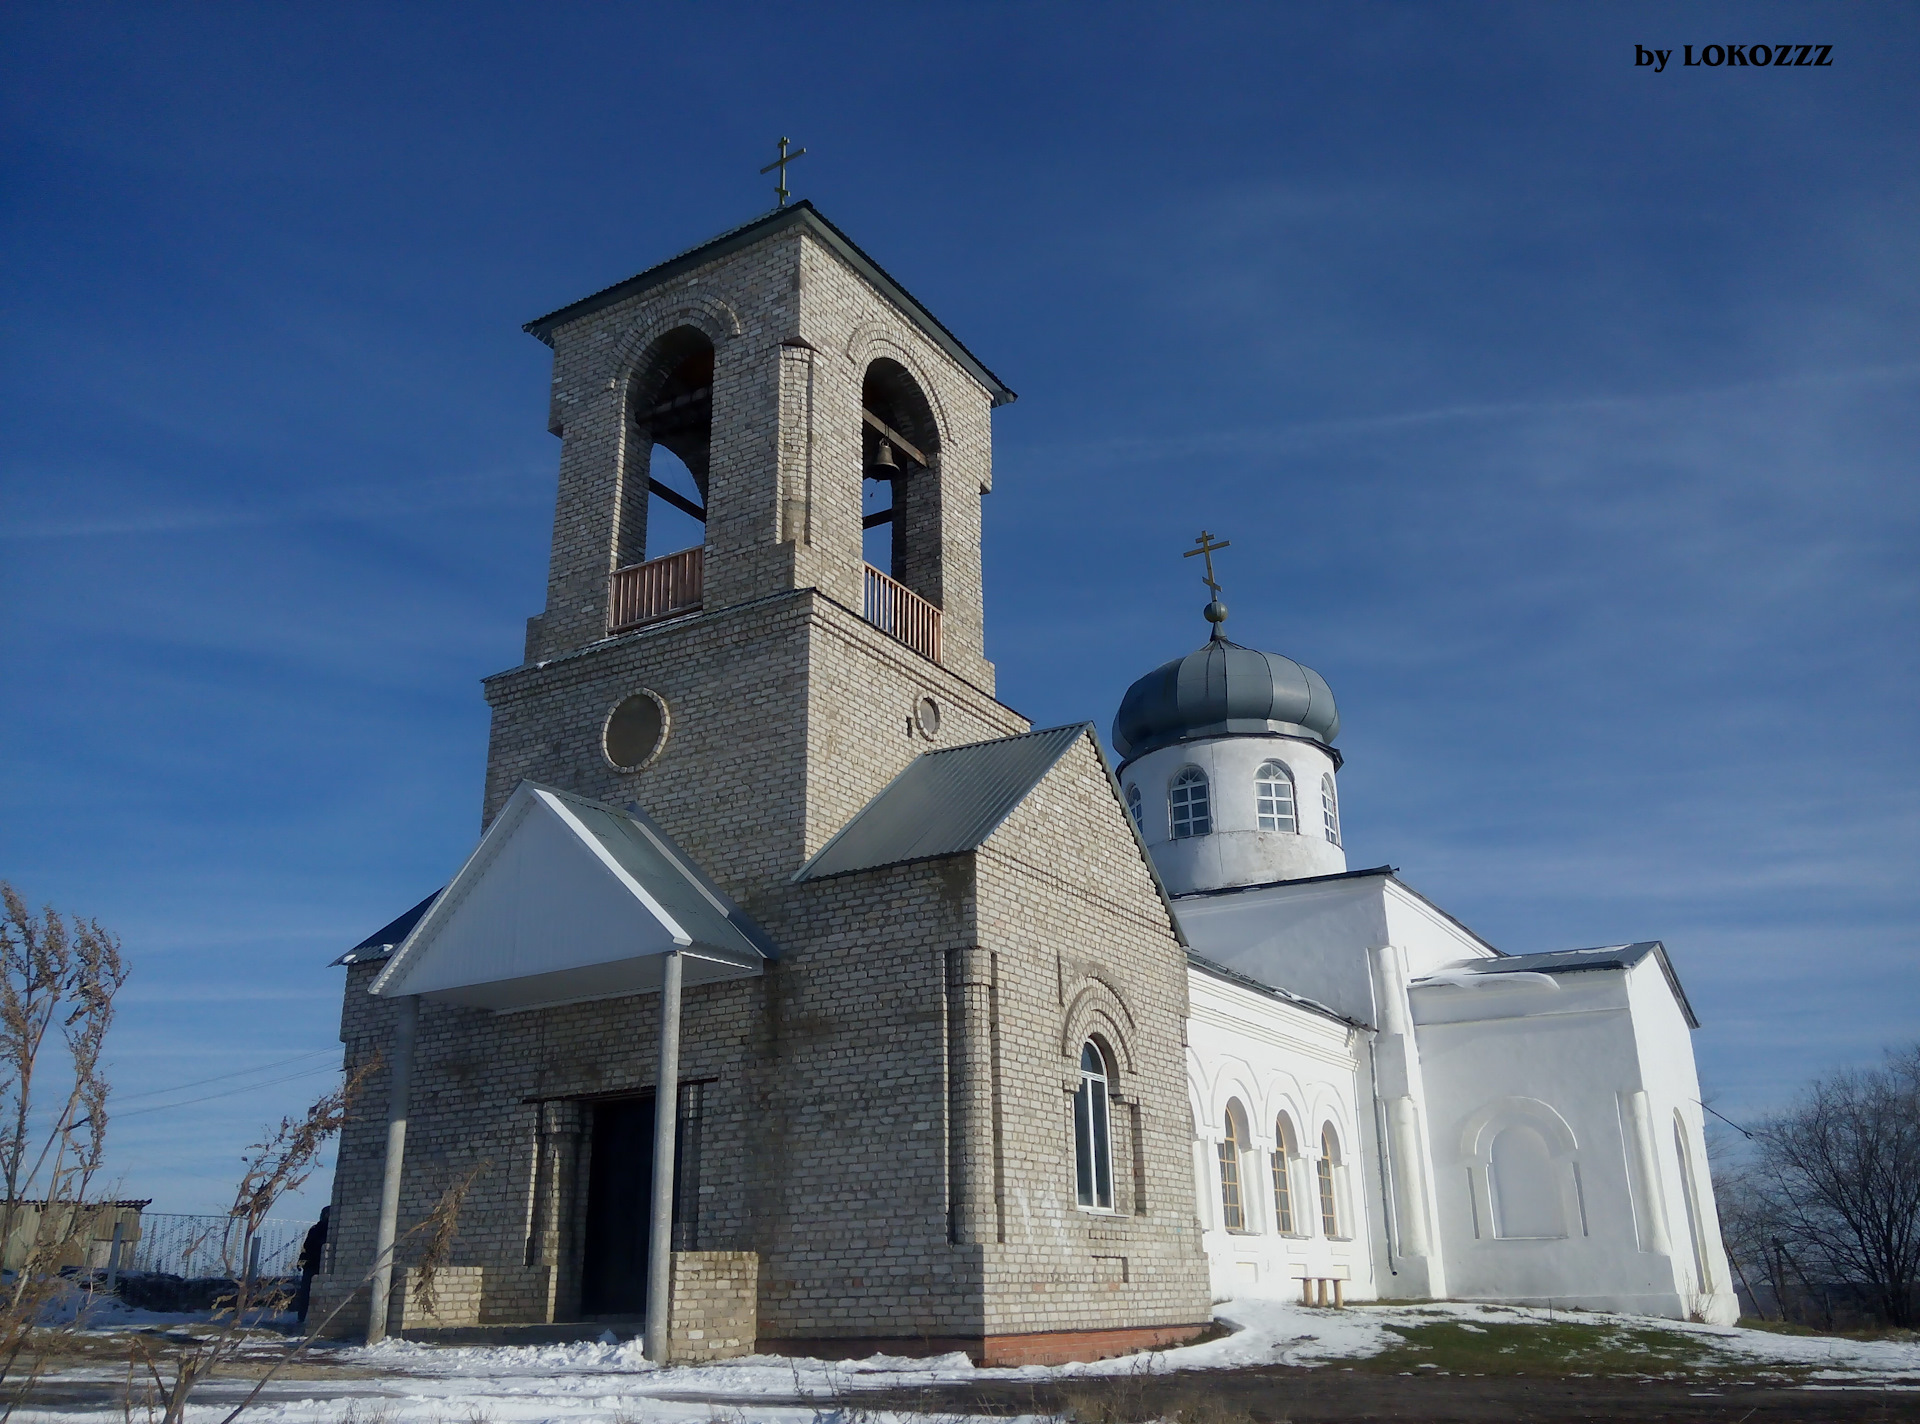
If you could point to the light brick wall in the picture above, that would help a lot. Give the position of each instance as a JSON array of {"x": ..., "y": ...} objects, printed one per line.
[
  {"x": 793, "y": 330},
  {"x": 834, "y": 1085},
  {"x": 715, "y": 1306},
  {"x": 1083, "y": 947},
  {"x": 786, "y": 715},
  {"x": 886, "y": 1113}
]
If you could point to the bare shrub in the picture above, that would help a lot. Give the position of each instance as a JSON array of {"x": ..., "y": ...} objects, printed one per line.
[
  {"x": 441, "y": 1226},
  {"x": 276, "y": 1165},
  {"x": 58, "y": 979}
]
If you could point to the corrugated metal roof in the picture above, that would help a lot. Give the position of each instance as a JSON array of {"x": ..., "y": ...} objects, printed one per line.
[
  {"x": 388, "y": 937},
  {"x": 1573, "y": 961},
  {"x": 945, "y": 802}
]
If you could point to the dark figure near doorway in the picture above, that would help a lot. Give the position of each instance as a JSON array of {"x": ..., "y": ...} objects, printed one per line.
[{"x": 312, "y": 1251}]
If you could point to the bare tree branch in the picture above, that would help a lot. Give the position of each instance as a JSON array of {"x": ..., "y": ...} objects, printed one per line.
[
  {"x": 57, "y": 978},
  {"x": 1839, "y": 1175}
]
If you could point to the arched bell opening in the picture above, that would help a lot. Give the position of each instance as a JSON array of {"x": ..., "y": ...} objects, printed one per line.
[
  {"x": 664, "y": 484},
  {"x": 900, "y": 485}
]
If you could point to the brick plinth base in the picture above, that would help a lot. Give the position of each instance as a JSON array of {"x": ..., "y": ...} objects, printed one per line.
[{"x": 1051, "y": 1347}]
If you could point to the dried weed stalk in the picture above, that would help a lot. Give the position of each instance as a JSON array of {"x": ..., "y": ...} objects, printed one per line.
[
  {"x": 275, "y": 1166},
  {"x": 58, "y": 979},
  {"x": 440, "y": 1226}
]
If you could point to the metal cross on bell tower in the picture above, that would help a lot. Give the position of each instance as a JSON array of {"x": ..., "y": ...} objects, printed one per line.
[
  {"x": 1216, "y": 611},
  {"x": 781, "y": 163}
]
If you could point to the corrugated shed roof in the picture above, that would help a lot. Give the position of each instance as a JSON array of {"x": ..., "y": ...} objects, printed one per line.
[
  {"x": 944, "y": 803},
  {"x": 1574, "y": 961},
  {"x": 388, "y": 937}
]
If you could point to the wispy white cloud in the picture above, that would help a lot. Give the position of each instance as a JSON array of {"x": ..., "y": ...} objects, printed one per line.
[{"x": 374, "y": 504}]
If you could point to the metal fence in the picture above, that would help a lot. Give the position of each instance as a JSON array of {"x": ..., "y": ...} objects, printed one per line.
[{"x": 195, "y": 1246}]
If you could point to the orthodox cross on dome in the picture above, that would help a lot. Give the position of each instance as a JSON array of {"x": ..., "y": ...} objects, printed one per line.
[
  {"x": 1216, "y": 611},
  {"x": 781, "y": 163}
]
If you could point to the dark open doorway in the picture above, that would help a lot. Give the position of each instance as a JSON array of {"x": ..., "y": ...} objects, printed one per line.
[
  {"x": 613, "y": 1277},
  {"x": 613, "y": 1266}
]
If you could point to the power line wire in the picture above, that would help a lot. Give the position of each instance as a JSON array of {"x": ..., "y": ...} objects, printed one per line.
[
  {"x": 221, "y": 1077},
  {"x": 223, "y": 1093}
]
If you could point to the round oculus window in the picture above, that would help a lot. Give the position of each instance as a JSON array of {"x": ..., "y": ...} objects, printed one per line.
[
  {"x": 926, "y": 718},
  {"x": 636, "y": 730}
]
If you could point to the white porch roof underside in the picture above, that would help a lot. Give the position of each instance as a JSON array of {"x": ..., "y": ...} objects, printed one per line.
[{"x": 567, "y": 899}]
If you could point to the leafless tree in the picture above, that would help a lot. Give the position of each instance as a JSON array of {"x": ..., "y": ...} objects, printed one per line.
[
  {"x": 58, "y": 979},
  {"x": 276, "y": 1165},
  {"x": 1839, "y": 1176}
]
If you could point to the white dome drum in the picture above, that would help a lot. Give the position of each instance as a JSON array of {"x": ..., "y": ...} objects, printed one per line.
[{"x": 1228, "y": 769}]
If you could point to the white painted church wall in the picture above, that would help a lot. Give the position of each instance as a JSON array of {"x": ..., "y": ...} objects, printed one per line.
[
  {"x": 1313, "y": 939},
  {"x": 1237, "y": 852},
  {"x": 1671, "y": 1082},
  {"x": 1309, "y": 939},
  {"x": 1427, "y": 938},
  {"x": 1547, "y": 1144},
  {"x": 1407, "y": 1239},
  {"x": 1529, "y": 1107},
  {"x": 1272, "y": 1058}
]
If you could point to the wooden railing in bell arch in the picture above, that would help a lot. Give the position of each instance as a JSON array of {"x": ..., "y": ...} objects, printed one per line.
[
  {"x": 645, "y": 593},
  {"x": 895, "y": 609}
]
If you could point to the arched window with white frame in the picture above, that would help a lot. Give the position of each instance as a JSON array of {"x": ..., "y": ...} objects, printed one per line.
[
  {"x": 1285, "y": 1149},
  {"x": 1093, "y": 1132},
  {"x": 1136, "y": 809},
  {"x": 1273, "y": 796},
  {"x": 1328, "y": 1171},
  {"x": 1189, "y": 805},
  {"x": 1329, "y": 807},
  {"x": 1233, "y": 1151}
]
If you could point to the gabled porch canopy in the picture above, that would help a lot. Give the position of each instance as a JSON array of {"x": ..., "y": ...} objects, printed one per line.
[{"x": 567, "y": 899}]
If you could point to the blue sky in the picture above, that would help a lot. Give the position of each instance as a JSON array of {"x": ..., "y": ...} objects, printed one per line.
[{"x": 1563, "y": 414}]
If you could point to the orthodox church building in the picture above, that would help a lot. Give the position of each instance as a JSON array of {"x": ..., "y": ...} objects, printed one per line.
[{"x": 973, "y": 1040}]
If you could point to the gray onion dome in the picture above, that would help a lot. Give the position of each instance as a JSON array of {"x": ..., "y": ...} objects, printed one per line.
[{"x": 1224, "y": 690}]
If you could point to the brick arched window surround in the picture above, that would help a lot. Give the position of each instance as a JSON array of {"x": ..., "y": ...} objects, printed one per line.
[
  {"x": 909, "y": 469},
  {"x": 1189, "y": 804},
  {"x": 669, "y": 407},
  {"x": 1329, "y": 807},
  {"x": 1093, "y": 1131},
  {"x": 1328, "y": 1173},
  {"x": 1286, "y": 1149},
  {"x": 1233, "y": 1152},
  {"x": 1273, "y": 797}
]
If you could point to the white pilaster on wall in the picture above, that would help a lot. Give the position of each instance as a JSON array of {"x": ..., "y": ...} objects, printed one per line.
[
  {"x": 1649, "y": 1209},
  {"x": 1409, "y": 1167}
]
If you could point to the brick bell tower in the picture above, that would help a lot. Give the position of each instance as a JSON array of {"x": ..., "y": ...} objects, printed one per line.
[
  {"x": 875, "y": 1139},
  {"x": 755, "y": 691}
]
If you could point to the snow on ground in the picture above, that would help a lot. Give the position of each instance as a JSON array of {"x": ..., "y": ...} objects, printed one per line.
[
  {"x": 399, "y": 1382},
  {"x": 96, "y": 1310}
]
